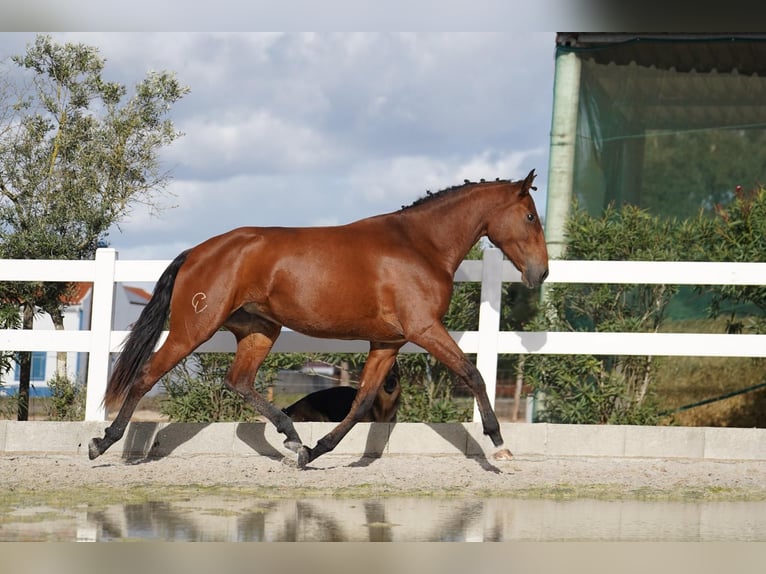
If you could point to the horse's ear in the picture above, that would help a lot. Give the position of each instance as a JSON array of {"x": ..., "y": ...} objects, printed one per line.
[{"x": 526, "y": 185}]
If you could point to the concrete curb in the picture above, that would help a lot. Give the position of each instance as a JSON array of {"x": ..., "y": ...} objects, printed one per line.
[{"x": 523, "y": 439}]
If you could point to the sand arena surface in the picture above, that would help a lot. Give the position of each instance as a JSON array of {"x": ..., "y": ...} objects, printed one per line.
[{"x": 337, "y": 475}]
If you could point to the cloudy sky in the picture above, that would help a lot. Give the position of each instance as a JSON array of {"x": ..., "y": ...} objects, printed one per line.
[{"x": 303, "y": 129}]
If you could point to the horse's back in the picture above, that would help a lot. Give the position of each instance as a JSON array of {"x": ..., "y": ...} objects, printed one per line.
[{"x": 354, "y": 243}]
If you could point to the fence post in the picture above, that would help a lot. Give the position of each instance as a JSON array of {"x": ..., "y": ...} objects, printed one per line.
[
  {"x": 100, "y": 334},
  {"x": 489, "y": 322}
]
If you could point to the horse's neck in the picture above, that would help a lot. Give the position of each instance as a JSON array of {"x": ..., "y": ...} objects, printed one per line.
[{"x": 452, "y": 225}]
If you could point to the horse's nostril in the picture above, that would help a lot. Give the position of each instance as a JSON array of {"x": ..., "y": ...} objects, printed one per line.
[{"x": 544, "y": 276}]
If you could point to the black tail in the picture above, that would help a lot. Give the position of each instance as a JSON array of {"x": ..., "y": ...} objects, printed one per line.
[{"x": 143, "y": 336}]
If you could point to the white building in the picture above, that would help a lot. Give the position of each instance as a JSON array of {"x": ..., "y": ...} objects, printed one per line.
[{"x": 128, "y": 304}]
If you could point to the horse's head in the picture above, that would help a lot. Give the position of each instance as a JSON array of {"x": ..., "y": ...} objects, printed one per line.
[{"x": 516, "y": 229}]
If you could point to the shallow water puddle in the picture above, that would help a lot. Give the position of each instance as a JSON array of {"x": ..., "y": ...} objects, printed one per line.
[{"x": 230, "y": 518}]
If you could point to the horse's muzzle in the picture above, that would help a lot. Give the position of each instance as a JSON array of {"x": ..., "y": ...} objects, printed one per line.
[{"x": 534, "y": 276}]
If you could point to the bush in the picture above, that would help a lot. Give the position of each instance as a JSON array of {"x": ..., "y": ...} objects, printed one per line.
[
  {"x": 67, "y": 401},
  {"x": 618, "y": 389},
  {"x": 577, "y": 389},
  {"x": 196, "y": 392},
  {"x": 606, "y": 389},
  {"x": 198, "y": 401},
  {"x": 431, "y": 402},
  {"x": 738, "y": 233}
]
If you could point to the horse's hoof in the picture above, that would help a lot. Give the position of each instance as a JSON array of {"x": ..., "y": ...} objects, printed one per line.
[
  {"x": 293, "y": 445},
  {"x": 93, "y": 448},
  {"x": 495, "y": 437},
  {"x": 503, "y": 454},
  {"x": 304, "y": 456}
]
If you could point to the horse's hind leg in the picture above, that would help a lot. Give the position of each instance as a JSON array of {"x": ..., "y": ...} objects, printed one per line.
[
  {"x": 379, "y": 362},
  {"x": 166, "y": 357},
  {"x": 252, "y": 348}
]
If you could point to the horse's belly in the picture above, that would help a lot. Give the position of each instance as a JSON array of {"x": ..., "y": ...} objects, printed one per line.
[
  {"x": 367, "y": 330},
  {"x": 326, "y": 325}
]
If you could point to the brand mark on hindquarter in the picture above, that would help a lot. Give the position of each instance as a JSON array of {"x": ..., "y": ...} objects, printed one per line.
[{"x": 198, "y": 302}]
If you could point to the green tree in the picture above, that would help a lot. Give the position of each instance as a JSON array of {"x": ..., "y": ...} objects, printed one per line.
[
  {"x": 76, "y": 153},
  {"x": 67, "y": 402}
]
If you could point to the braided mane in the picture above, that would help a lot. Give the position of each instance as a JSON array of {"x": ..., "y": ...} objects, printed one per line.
[{"x": 430, "y": 196}]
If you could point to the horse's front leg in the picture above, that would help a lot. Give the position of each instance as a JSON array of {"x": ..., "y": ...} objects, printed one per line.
[
  {"x": 437, "y": 341},
  {"x": 379, "y": 361}
]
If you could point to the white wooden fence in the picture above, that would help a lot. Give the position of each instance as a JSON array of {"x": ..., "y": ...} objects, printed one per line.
[{"x": 106, "y": 270}]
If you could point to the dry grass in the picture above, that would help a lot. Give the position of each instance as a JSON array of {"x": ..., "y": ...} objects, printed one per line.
[{"x": 683, "y": 381}]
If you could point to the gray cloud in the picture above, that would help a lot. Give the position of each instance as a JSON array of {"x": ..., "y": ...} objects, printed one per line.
[{"x": 307, "y": 129}]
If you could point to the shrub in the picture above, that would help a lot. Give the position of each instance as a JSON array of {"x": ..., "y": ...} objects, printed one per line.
[
  {"x": 67, "y": 401},
  {"x": 605, "y": 389},
  {"x": 196, "y": 393},
  {"x": 618, "y": 389},
  {"x": 431, "y": 401}
]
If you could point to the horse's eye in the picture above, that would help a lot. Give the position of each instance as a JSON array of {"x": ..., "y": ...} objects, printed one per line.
[{"x": 530, "y": 217}]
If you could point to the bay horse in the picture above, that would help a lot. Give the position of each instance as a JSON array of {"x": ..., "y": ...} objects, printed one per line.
[
  {"x": 386, "y": 279},
  {"x": 334, "y": 404}
]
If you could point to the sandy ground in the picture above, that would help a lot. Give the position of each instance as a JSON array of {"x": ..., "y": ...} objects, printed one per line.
[{"x": 394, "y": 475}]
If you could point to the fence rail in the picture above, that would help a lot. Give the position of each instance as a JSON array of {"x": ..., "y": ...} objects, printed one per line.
[{"x": 106, "y": 270}]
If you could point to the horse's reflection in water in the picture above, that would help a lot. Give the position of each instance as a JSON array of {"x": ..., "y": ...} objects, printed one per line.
[{"x": 285, "y": 520}]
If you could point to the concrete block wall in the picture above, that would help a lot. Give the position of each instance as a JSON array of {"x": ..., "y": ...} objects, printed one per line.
[{"x": 523, "y": 439}]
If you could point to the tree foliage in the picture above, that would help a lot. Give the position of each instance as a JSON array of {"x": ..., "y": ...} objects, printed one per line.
[
  {"x": 76, "y": 153},
  {"x": 738, "y": 233},
  {"x": 9, "y": 319}
]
